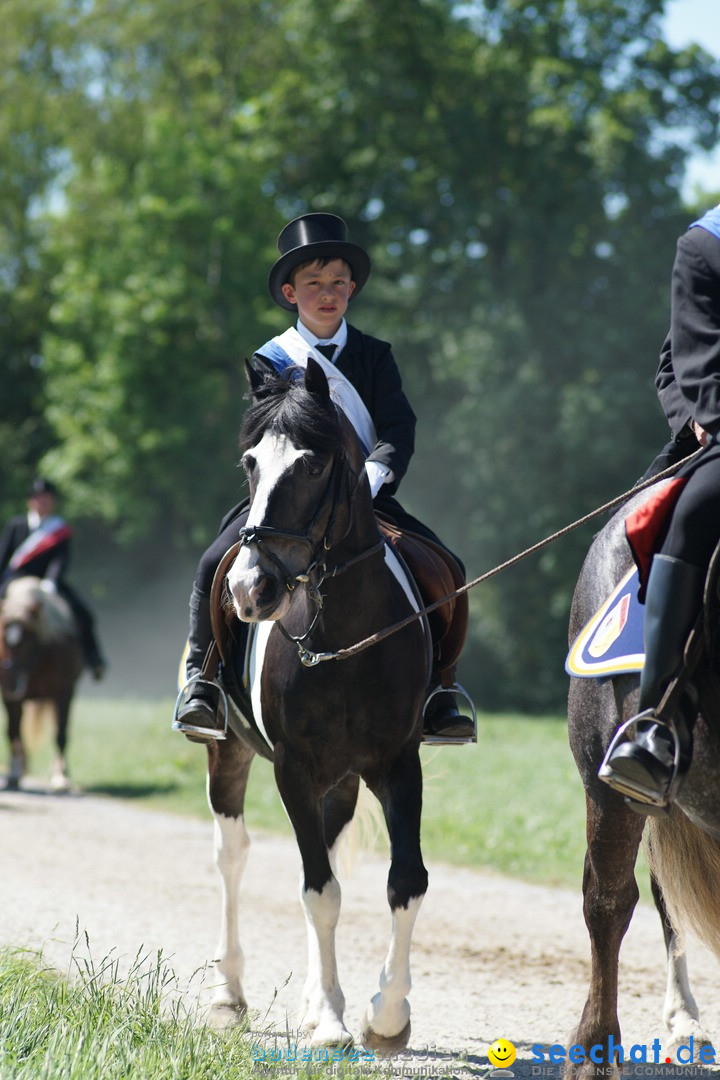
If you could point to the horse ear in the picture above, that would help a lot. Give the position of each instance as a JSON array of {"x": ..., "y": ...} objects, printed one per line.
[
  {"x": 316, "y": 380},
  {"x": 254, "y": 377}
]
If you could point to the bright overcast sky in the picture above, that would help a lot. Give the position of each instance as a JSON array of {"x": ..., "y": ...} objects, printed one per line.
[{"x": 697, "y": 21}]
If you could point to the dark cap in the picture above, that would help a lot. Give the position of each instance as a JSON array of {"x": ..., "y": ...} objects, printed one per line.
[
  {"x": 42, "y": 486},
  {"x": 315, "y": 236}
]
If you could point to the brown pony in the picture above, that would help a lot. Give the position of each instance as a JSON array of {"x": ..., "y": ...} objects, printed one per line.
[{"x": 40, "y": 662}]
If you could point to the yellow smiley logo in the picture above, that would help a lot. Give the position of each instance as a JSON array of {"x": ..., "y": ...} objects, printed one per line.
[{"x": 501, "y": 1054}]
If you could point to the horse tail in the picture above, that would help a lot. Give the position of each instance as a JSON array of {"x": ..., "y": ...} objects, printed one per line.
[
  {"x": 686, "y": 863},
  {"x": 36, "y": 717},
  {"x": 365, "y": 832}
]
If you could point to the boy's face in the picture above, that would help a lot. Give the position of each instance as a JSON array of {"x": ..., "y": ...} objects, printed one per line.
[
  {"x": 321, "y": 294},
  {"x": 43, "y": 504}
]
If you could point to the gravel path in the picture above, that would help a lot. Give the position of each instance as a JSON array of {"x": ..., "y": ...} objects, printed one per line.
[{"x": 492, "y": 957}]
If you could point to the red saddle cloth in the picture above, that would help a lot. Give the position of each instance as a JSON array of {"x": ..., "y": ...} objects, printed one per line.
[{"x": 646, "y": 526}]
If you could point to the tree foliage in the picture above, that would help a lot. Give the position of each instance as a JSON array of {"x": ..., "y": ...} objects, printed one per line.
[{"x": 514, "y": 167}]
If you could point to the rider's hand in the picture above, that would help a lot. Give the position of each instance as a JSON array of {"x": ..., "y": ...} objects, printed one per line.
[
  {"x": 700, "y": 433},
  {"x": 377, "y": 475}
]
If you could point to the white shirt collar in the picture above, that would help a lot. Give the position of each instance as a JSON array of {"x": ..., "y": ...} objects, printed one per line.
[
  {"x": 339, "y": 338},
  {"x": 33, "y": 519}
]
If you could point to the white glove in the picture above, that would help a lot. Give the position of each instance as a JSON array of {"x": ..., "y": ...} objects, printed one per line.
[
  {"x": 377, "y": 475},
  {"x": 48, "y": 586}
]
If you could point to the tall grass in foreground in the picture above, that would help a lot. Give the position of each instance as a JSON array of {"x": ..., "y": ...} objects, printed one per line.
[
  {"x": 513, "y": 803},
  {"x": 98, "y": 1025}
]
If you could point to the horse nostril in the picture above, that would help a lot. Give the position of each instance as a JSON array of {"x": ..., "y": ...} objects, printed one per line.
[{"x": 263, "y": 590}]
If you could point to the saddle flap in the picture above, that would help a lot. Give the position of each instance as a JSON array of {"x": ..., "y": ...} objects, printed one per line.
[
  {"x": 221, "y": 609},
  {"x": 437, "y": 575}
]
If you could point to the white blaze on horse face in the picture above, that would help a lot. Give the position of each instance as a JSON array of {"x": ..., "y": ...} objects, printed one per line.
[{"x": 274, "y": 455}]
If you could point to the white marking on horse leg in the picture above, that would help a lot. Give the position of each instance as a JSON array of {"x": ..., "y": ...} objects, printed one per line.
[
  {"x": 680, "y": 1011},
  {"x": 323, "y": 999},
  {"x": 59, "y": 779},
  {"x": 389, "y": 1011},
  {"x": 231, "y": 846}
]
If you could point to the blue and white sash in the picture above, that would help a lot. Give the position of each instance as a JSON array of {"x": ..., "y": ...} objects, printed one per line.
[
  {"x": 710, "y": 222},
  {"x": 291, "y": 348},
  {"x": 50, "y": 532}
]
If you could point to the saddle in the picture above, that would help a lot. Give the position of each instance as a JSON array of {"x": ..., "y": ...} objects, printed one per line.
[{"x": 435, "y": 572}]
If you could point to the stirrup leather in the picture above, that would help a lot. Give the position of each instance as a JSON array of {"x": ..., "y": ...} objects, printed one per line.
[
  {"x": 448, "y": 740},
  {"x": 627, "y": 732},
  {"x": 197, "y": 729}
]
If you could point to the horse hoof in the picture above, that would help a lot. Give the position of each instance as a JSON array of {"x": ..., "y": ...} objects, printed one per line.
[
  {"x": 386, "y": 1044},
  {"x": 59, "y": 781},
  {"x": 12, "y": 783},
  {"x": 225, "y": 1017},
  {"x": 331, "y": 1035}
]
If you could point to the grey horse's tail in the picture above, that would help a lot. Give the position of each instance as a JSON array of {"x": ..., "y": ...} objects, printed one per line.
[{"x": 686, "y": 863}]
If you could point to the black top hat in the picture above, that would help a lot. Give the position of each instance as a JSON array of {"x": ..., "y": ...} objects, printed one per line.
[
  {"x": 41, "y": 486},
  {"x": 315, "y": 236}
]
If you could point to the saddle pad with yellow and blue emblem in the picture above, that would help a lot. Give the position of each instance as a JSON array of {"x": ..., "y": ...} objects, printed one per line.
[{"x": 612, "y": 642}]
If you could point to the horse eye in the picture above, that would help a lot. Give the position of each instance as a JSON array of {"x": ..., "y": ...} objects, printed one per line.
[
  {"x": 248, "y": 463},
  {"x": 314, "y": 464}
]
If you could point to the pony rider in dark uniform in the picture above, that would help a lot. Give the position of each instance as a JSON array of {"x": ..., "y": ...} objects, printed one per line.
[
  {"x": 689, "y": 388},
  {"x": 37, "y": 544},
  {"x": 318, "y": 272}
]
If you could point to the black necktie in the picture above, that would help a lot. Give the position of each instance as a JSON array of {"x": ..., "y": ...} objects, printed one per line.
[{"x": 328, "y": 351}]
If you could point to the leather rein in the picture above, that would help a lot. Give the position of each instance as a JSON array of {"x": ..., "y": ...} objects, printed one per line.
[{"x": 255, "y": 535}]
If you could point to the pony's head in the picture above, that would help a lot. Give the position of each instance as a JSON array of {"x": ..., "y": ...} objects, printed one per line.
[
  {"x": 302, "y": 460},
  {"x": 30, "y": 619}
]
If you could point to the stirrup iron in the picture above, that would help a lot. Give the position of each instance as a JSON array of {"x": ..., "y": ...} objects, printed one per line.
[
  {"x": 639, "y": 792},
  {"x": 197, "y": 729},
  {"x": 449, "y": 740}
]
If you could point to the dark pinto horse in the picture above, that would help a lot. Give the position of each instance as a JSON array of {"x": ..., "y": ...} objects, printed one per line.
[
  {"x": 683, "y": 847},
  {"x": 40, "y": 662},
  {"x": 312, "y": 572}
]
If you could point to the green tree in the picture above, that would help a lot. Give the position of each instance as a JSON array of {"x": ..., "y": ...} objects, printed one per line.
[{"x": 512, "y": 166}]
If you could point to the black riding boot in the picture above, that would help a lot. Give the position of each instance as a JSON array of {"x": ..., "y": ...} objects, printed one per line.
[
  {"x": 200, "y": 708},
  {"x": 644, "y": 768},
  {"x": 444, "y": 720}
]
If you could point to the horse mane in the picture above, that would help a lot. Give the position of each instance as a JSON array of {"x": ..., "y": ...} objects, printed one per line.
[
  {"x": 47, "y": 614},
  {"x": 283, "y": 405}
]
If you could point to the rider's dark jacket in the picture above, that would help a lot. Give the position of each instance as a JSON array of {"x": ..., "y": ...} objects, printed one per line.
[{"x": 51, "y": 564}]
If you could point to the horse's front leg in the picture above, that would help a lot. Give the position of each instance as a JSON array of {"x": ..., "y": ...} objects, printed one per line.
[
  {"x": 18, "y": 762},
  {"x": 323, "y": 1001},
  {"x": 387, "y": 1020},
  {"x": 59, "y": 779},
  {"x": 610, "y": 895},
  {"x": 228, "y": 768}
]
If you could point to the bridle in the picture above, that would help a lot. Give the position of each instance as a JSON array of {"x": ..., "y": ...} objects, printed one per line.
[{"x": 342, "y": 485}]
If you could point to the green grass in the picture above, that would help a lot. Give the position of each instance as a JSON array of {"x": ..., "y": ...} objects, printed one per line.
[
  {"x": 97, "y": 1024},
  {"x": 512, "y": 803},
  {"x": 100, "y": 1026}
]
